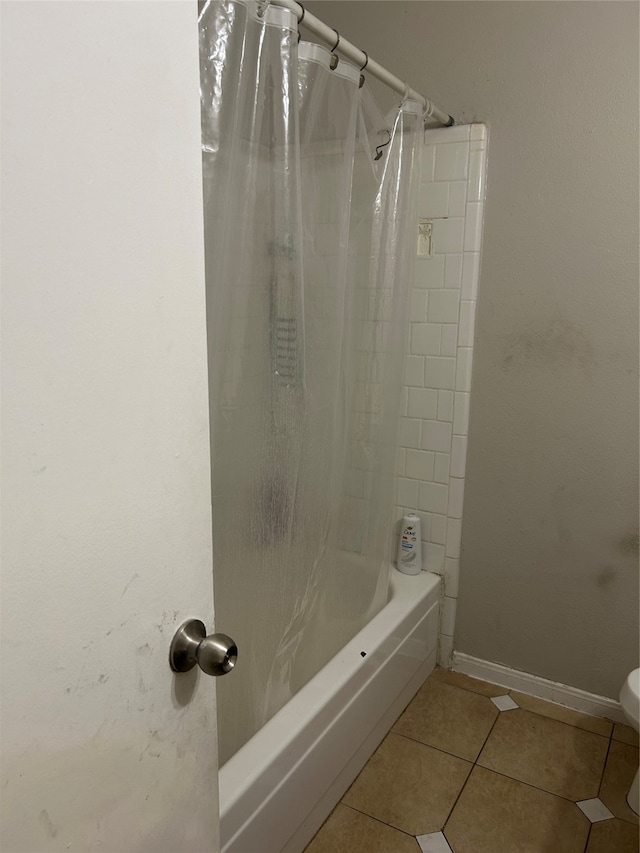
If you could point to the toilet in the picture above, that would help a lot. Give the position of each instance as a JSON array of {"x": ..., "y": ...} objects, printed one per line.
[{"x": 630, "y": 701}]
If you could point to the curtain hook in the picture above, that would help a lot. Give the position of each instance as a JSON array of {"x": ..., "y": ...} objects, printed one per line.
[
  {"x": 300, "y": 20},
  {"x": 335, "y": 47},
  {"x": 382, "y": 144},
  {"x": 366, "y": 62}
]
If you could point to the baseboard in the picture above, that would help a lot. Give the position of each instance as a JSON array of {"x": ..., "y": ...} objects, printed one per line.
[{"x": 542, "y": 688}]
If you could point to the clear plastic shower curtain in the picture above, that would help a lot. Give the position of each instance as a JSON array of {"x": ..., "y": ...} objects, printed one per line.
[{"x": 308, "y": 252}]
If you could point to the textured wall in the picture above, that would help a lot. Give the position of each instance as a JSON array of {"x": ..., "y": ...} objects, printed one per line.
[{"x": 549, "y": 571}]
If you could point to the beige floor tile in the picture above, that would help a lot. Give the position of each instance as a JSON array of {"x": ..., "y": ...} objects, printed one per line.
[
  {"x": 550, "y": 755},
  {"x": 348, "y": 831},
  {"x": 457, "y": 679},
  {"x": 408, "y": 785},
  {"x": 499, "y": 815},
  {"x": 625, "y": 734},
  {"x": 613, "y": 836},
  {"x": 454, "y": 720},
  {"x": 622, "y": 763},
  {"x": 597, "y": 725}
]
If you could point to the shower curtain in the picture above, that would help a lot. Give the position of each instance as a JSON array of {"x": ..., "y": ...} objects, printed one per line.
[{"x": 309, "y": 205}]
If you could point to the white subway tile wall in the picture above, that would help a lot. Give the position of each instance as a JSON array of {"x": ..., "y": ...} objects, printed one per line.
[{"x": 433, "y": 436}]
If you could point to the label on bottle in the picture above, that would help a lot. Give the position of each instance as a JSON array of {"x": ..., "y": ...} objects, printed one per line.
[{"x": 409, "y": 557}]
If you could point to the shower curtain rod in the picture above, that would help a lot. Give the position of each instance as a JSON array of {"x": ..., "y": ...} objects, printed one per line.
[{"x": 361, "y": 59}]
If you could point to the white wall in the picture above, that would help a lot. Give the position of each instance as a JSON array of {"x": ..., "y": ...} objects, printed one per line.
[
  {"x": 106, "y": 505},
  {"x": 549, "y": 569}
]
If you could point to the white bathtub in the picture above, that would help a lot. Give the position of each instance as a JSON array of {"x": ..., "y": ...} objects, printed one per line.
[{"x": 277, "y": 790}]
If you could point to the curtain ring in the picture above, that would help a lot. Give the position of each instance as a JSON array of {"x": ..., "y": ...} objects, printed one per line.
[
  {"x": 333, "y": 63},
  {"x": 337, "y": 39}
]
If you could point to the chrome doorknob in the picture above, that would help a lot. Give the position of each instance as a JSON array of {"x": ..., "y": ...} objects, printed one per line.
[{"x": 215, "y": 655}]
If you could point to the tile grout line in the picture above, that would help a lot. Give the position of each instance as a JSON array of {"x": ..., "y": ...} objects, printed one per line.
[
  {"x": 571, "y": 725},
  {"x": 509, "y": 690},
  {"x": 322, "y": 825},
  {"x": 537, "y": 713},
  {"x": 460, "y": 687},
  {"x": 377, "y": 819},
  {"x": 490, "y": 769},
  {"x": 431, "y": 746},
  {"x": 456, "y": 803},
  {"x": 535, "y": 787},
  {"x": 475, "y": 763},
  {"x": 604, "y": 766},
  {"x": 469, "y": 776},
  {"x": 484, "y": 743}
]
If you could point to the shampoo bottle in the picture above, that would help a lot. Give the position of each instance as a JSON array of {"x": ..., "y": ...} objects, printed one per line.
[{"x": 409, "y": 559}]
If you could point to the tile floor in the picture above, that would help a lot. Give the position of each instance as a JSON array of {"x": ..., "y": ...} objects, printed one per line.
[{"x": 470, "y": 767}]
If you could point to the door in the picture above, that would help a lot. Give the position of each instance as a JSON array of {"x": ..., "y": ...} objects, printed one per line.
[{"x": 106, "y": 486}]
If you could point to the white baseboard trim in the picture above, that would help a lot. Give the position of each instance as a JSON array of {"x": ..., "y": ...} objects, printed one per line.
[{"x": 535, "y": 685}]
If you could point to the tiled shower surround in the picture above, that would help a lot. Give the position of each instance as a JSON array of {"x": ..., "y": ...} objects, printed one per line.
[{"x": 433, "y": 434}]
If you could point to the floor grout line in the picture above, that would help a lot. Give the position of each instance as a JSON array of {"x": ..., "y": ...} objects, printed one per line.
[
  {"x": 535, "y": 787},
  {"x": 431, "y": 746},
  {"x": 508, "y": 691},
  {"x": 467, "y": 689},
  {"x": 537, "y": 713},
  {"x": 476, "y": 763},
  {"x": 482, "y": 767},
  {"x": 378, "y": 820},
  {"x": 604, "y": 766},
  {"x": 562, "y": 722},
  {"x": 322, "y": 825},
  {"x": 493, "y": 725},
  {"x": 464, "y": 785},
  {"x": 586, "y": 844},
  {"x": 491, "y": 769}
]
